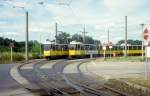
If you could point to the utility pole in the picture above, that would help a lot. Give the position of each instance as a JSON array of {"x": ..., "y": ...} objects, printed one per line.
[
  {"x": 56, "y": 32},
  {"x": 125, "y": 36},
  {"x": 84, "y": 34},
  {"x": 142, "y": 25},
  {"x": 26, "y": 43}
]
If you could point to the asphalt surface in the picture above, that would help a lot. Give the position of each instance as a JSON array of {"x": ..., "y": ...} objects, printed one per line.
[
  {"x": 119, "y": 69},
  {"x": 7, "y": 83}
]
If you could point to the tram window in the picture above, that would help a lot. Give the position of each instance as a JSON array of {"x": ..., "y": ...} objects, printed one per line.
[
  {"x": 77, "y": 47},
  {"x": 52, "y": 47},
  {"x": 57, "y": 47},
  {"x": 90, "y": 47},
  {"x": 46, "y": 47},
  {"x": 66, "y": 47},
  {"x": 83, "y": 47},
  {"x": 86, "y": 47},
  {"x": 80, "y": 47},
  {"x": 139, "y": 47},
  {"x": 63, "y": 47},
  {"x": 134, "y": 47},
  {"x": 72, "y": 47},
  {"x": 60, "y": 47},
  {"x": 94, "y": 47}
]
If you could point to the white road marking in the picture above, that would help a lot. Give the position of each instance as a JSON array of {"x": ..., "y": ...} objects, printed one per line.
[
  {"x": 48, "y": 65},
  {"x": 28, "y": 66}
]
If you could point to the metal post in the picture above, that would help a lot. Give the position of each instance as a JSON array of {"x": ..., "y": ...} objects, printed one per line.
[
  {"x": 104, "y": 54},
  {"x": 56, "y": 33},
  {"x": 11, "y": 58},
  {"x": 146, "y": 63},
  {"x": 40, "y": 47},
  {"x": 125, "y": 36},
  {"x": 108, "y": 42},
  {"x": 110, "y": 52},
  {"x": 26, "y": 43},
  {"x": 84, "y": 34},
  {"x": 142, "y": 25}
]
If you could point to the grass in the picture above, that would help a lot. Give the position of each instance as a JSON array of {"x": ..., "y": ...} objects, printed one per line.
[
  {"x": 126, "y": 88},
  {"x": 139, "y": 81},
  {"x": 5, "y": 57}
]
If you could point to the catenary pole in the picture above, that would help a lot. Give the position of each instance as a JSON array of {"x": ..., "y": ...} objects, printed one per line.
[
  {"x": 56, "y": 33},
  {"x": 26, "y": 43},
  {"x": 125, "y": 36},
  {"x": 142, "y": 25}
]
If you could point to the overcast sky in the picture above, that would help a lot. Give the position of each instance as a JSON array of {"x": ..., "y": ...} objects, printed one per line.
[{"x": 97, "y": 15}]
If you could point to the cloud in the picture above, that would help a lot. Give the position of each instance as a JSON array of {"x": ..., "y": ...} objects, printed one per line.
[
  {"x": 10, "y": 14},
  {"x": 125, "y": 6}
]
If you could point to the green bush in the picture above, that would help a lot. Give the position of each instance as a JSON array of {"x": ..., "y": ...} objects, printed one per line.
[{"x": 35, "y": 56}]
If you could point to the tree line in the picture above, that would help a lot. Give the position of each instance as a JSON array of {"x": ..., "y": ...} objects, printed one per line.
[{"x": 18, "y": 46}]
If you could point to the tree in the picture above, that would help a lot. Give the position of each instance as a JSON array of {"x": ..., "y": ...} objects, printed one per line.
[
  {"x": 77, "y": 37},
  {"x": 120, "y": 42},
  {"x": 129, "y": 41},
  {"x": 63, "y": 37},
  {"x": 88, "y": 39},
  {"x": 35, "y": 49}
]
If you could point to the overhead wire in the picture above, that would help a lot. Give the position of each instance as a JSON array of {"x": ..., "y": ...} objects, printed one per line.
[{"x": 75, "y": 14}]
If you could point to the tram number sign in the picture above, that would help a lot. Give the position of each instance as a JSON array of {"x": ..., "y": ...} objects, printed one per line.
[{"x": 146, "y": 34}]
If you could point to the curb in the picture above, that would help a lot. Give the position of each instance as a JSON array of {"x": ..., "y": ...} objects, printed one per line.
[{"x": 14, "y": 72}]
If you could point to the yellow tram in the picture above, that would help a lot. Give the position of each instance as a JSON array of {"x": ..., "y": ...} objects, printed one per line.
[
  {"x": 80, "y": 50},
  {"x": 53, "y": 50}
]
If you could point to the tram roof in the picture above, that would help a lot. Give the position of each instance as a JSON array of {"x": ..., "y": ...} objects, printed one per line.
[{"x": 75, "y": 42}]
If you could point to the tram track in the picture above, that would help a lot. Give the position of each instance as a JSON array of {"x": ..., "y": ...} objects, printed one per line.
[
  {"x": 82, "y": 87},
  {"x": 86, "y": 84},
  {"x": 41, "y": 80},
  {"x": 54, "y": 82},
  {"x": 46, "y": 81}
]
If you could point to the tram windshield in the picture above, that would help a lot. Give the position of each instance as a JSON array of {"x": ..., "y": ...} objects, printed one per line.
[{"x": 47, "y": 47}]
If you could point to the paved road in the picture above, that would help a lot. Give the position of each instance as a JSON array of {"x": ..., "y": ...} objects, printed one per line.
[
  {"x": 5, "y": 78},
  {"x": 8, "y": 85},
  {"x": 119, "y": 69}
]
